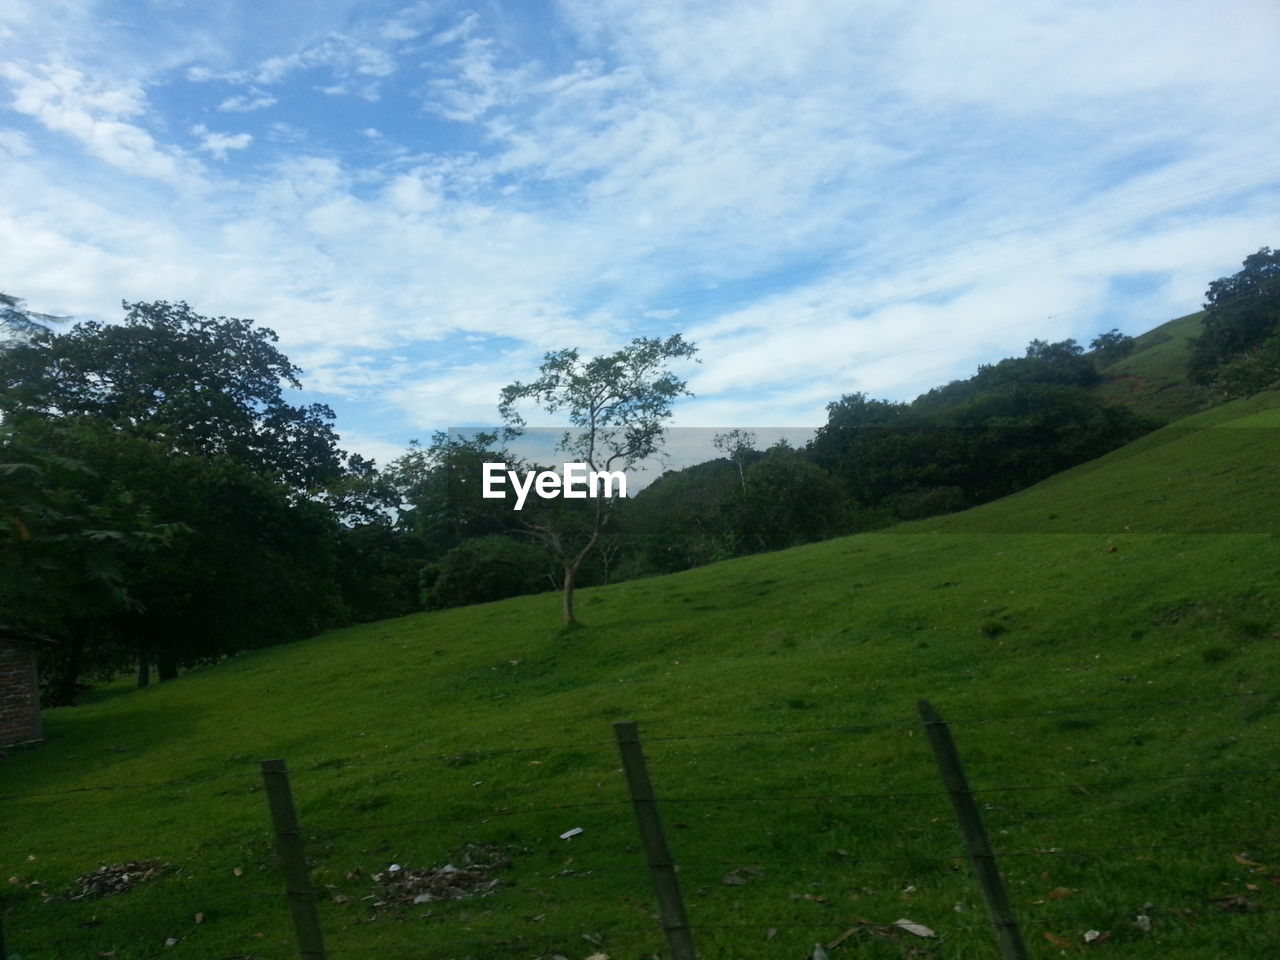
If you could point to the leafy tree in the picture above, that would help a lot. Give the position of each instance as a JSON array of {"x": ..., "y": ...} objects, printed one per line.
[
  {"x": 184, "y": 417},
  {"x": 788, "y": 500},
  {"x": 851, "y": 419},
  {"x": 676, "y": 522},
  {"x": 203, "y": 385},
  {"x": 1058, "y": 364},
  {"x": 1112, "y": 345},
  {"x": 440, "y": 492},
  {"x": 1011, "y": 425},
  {"x": 1062, "y": 351},
  {"x": 377, "y": 570},
  {"x": 1251, "y": 371},
  {"x": 258, "y": 567},
  {"x": 1242, "y": 312},
  {"x": 739, "y": 447},
  {"x": 1004, "y": 440},
  {"x": 617, "y": 406},
  {"x": 486, "y": 568},
  {"x": 71, "y": 542}
]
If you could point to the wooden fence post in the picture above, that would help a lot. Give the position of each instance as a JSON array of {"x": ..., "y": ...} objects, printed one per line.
[
  {"x": 670, "y": 905},
  {"x": 975, "y": 834},
  {"x": 293, "y": 860}
]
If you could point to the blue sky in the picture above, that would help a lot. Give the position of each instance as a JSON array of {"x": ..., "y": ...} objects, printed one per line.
[{"x": 825, "y": 195}]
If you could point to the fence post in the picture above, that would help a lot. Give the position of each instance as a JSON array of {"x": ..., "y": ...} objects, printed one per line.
[
  {"x": 981, "y": 855},
  {"x": 670, "y": 905},
  {"x": 293, "y": 860}
]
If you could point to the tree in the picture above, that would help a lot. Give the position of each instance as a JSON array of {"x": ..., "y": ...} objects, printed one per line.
[
  {"x": 1242, "y": 312},
  {"x": 1252, "y": 371},
  {"x": 17, "y": 322},
  {"x": 1112, "y": 345},
  {"x": 184, "y": 417},
  {"x": 617, "y": 405},
  {"x": 202, "y": 385},
  {"x": 1062, "y": 351},
  {"x": 486, "y": 568},
  {"x": 440, "y": 491},
  {"x": 676, "y": 522},
  {"x": 71, "y": 542},
  {"x": 737, "y": 447},
  {"x": 787, "y": 500}
]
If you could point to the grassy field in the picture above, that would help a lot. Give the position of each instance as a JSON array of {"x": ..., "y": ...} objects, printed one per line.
[
  {"x": 1105, "y": 646},
  {"x": 1153, "y": 379}
]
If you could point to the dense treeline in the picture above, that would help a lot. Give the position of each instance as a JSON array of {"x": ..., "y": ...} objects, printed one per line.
[
  {"x": 162, "y": 504},
  {"x": 1239, "y": 350},
  {"x": 874, "y": 462}
]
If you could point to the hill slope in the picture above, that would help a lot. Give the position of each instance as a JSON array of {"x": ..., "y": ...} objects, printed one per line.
[
  {"x": 1105, "y": 645},
  {"x": 1153, "y": 378}
]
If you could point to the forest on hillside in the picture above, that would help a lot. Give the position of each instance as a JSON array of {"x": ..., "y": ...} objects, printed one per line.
[{"x": 163, "y": 505}]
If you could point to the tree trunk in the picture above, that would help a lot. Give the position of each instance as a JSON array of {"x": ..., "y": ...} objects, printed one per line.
[
  {"x": 570, "y": 572},
  {"x": 64, "y": 667},
  {"x": 144, "y": 668},
  {"x": 166, "y": 665}
]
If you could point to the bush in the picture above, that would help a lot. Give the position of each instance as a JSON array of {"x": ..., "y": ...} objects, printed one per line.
[{"x": 484, "y": 569}]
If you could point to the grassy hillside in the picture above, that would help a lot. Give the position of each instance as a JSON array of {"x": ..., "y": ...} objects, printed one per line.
[
  {"x": 1104, "y": 644},
  {"x": 1153, "y": 379}
]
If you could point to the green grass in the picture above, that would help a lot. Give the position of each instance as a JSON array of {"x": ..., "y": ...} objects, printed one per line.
[
  {"x": 1153, "y": 379},
  {"x": 1106, "y": 640}
]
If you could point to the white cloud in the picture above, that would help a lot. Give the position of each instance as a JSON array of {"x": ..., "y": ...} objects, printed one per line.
[
  {"x": 62, "y": 99},
  {"x": 247, "y": 102},
  {"x": 219, "y": 144},
  {"x": 825, "y": 196},
  {"x": 15, "y": 143}
]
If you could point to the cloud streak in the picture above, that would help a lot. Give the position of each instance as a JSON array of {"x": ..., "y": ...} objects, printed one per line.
[{"x": 825, "y": 196}]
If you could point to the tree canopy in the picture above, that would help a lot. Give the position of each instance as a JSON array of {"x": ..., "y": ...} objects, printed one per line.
[
  {"x": 199, "y": 384},
  {"x": 1239, "y": 348}
]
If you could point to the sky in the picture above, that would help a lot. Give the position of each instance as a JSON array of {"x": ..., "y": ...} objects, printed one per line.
[{"x": 825, "y": 196}]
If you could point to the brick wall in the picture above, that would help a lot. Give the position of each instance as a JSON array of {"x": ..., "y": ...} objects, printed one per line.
[{"x": 19, "y": 693}]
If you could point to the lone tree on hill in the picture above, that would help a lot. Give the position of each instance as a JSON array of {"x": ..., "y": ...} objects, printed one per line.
[{"x": 617, "y": 405}]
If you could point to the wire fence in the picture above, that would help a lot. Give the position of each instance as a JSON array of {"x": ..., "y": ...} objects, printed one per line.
[{"x": 787, "y": 843}]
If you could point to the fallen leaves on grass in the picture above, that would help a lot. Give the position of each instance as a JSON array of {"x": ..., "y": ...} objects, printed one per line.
[
  {"x": 919, "y": 929},
  {"x": 885, "y": 933},
  {"x": 1235, "y": 904},
  {"x": 402, "y": 886},
  {"x": 115, "y": 878}
]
